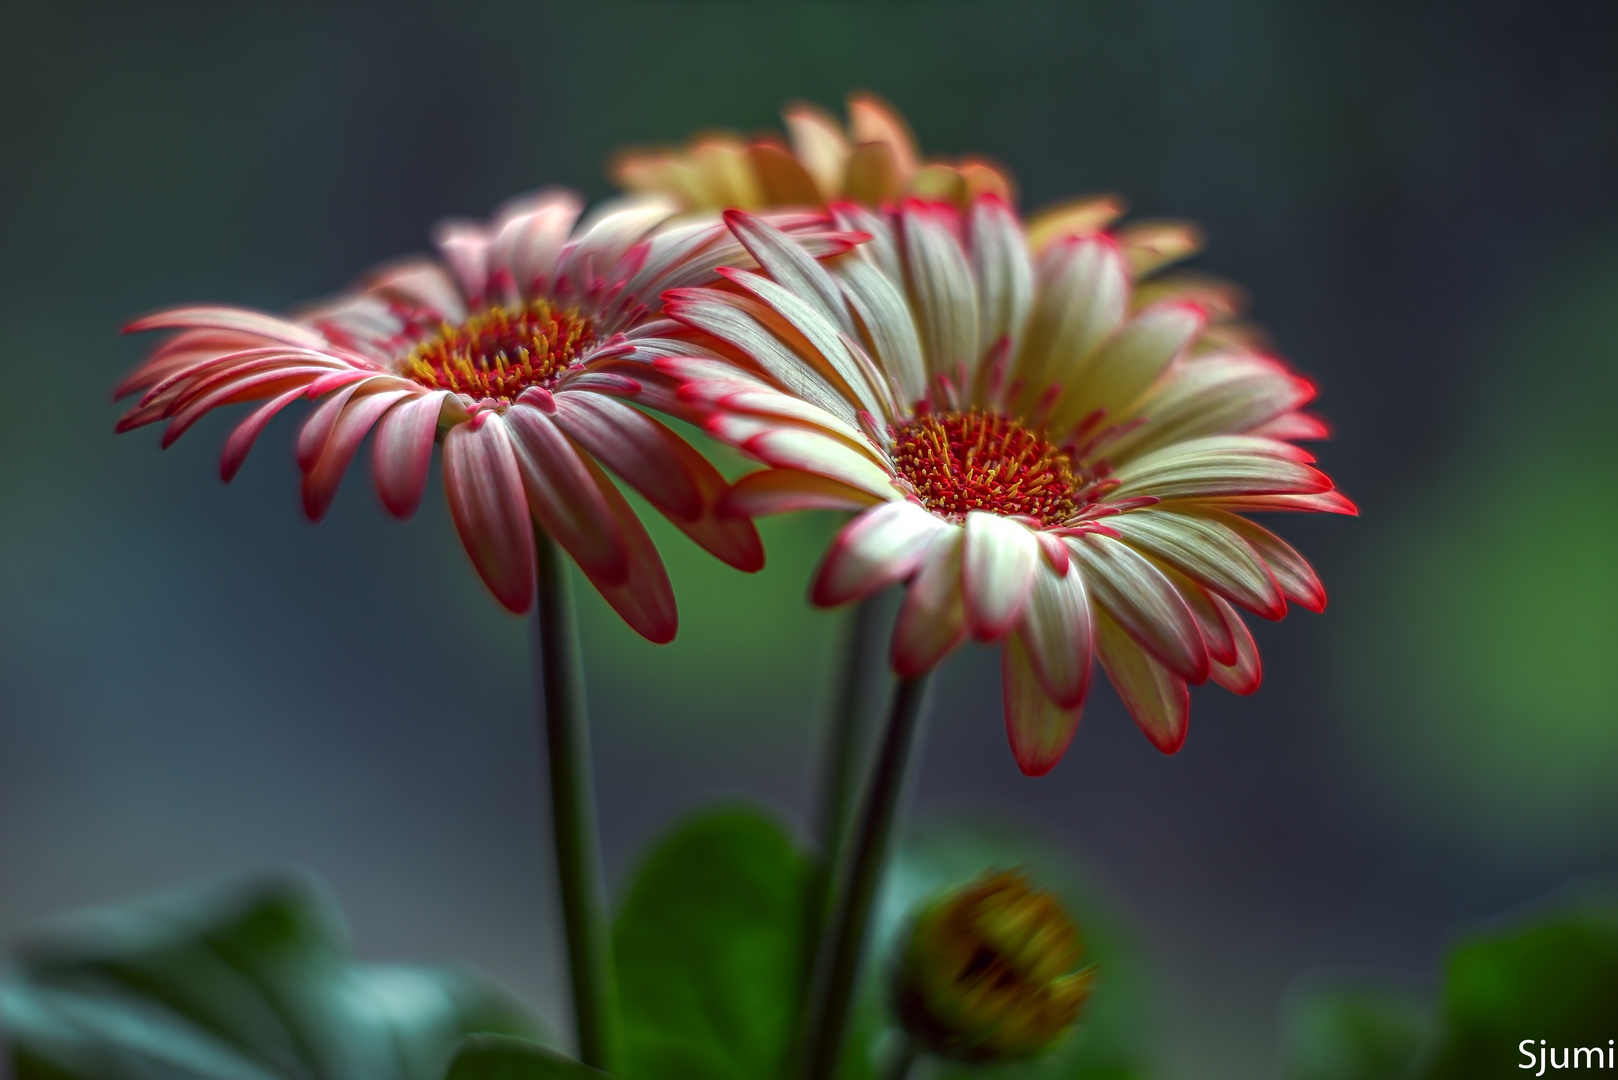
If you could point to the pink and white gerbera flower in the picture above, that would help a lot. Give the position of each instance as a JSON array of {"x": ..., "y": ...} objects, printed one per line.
[
  {"x": 1046, "y": 459},
  {"x": 514, "y": 349}
]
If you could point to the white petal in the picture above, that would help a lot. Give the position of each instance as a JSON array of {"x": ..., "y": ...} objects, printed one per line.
[
  {"x": 882, "y": 546},
  {"x": 1000, "y": 558}
]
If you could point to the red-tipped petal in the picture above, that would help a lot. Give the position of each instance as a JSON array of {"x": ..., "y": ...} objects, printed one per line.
[
  {"x": 1292, "y": 572},
  {"x": 634, "y": 446},
  {"x": 486, "y": 499},
  {"x": 997, "y": 571},
  {"x": 782, "y": 491},
  {"x": 643, "y": 598},
  {"x": 932, "y": 620},
  {"x": 1246, "y": 672},
  {"x": 247, "y": 432},
  {"x": 402, "y": 452},
  {"x": 565, "y": 495},
  {"x": 1039, "y": 729},
  {"x": 883, "y": 545},
  {"x": 1143, "y": 601},
  {"x": 243, "y": 320},
  {"x": 320, "y": 483},
  {"x": 1155, "y": 696},
  {"x": 1055, "y": 632}
]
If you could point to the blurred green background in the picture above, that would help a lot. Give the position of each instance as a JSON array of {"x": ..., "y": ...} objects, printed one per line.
[{"x": 1419, "y": 197}]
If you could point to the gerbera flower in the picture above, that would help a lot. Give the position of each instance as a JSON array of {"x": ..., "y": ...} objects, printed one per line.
[
  {"x": 1051, "y": 453},
  {"x": 874, "y": 160},
  {"x": 512, "y": 349}
]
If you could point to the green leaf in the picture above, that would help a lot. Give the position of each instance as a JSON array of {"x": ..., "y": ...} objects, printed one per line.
[
  {"x": 233, "y": 983},
  {"x": 1353, "y": 1031},
  {"x": 1116, "y": 1036},
  {"x": 501, "y": 1057},
  {"x": 710, "y": 951},
  {"x": 1554, "y": 978}
]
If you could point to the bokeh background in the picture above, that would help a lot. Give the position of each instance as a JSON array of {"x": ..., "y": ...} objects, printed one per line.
[{"x": 1420, "y": 197}]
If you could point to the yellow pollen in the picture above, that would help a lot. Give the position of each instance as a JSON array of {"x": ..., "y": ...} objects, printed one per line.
[{"x": 499, "y": 352}]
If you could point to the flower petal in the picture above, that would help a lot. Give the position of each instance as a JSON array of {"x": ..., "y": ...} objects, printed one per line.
[
  {"x": 882, "y": 546},
  {"x": 942, "y": 294},
  {"x": 1129, "y": 361},
  {"x": 1244, "y": 675},
  {"x": 1081, "y": 291},
  {"x": 247, "y": 432},
  {"x": 932, "y": 619},
  {"x": 320, "y": 482},
  {"x": 643, "y": 597},
  {"x": 1207, "y": 551},
  {"x": 1155, "y": 696},
  {"x": 243, "y": 320},
  {"x": 808, "y": 451},
  {"x": 782, "y": 491},
  {"x": 565, "y": 496},
  {"x": 1143, "y": 601},
  {"x": 997, "y": 567},
  {"x": 1292, "y": 571},
  {"x": 1220, "y": 465},
  {"x": 665, "y": 469},
  {"x": 402, "y": 452},
  {"x": 791, "y": 267},
  {"x": 1055, "y": 632},
  {"x": 1039, "y": 729},
  {"x": 1004, "y": 273},
  {"x": 486, "y": 499},
  {"x": 634, "y": 446}
]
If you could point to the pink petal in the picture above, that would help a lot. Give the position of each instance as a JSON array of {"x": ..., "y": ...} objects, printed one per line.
[
  {"x": 1055, "y": 634},
  {"x": 782, "y": 491},
  {"x": 322, "y": 422},
  {"x": 402, "y": 452},
  {"x": 792, "y": 447},
  {"x": 249, "y": 388},
  {"x": 1155, "y": 696},
  {"x": 486, "y": 499},
  {"x": 882, "y": 546},
  {"x": 565, "y": 496},
  {"x": 1039, "y": 728},
  {"x": 242, "y": 320},
  {"x": 997, "y": 571},
  {"x": 247, "y": 432},
  {"x": 320, "y": 482},
  {"x": 633, "y": 445},
  {"x": 932, "y": 619},
  {"x": 1143, "y": 601},
  {"x": 643, "y": 596}
]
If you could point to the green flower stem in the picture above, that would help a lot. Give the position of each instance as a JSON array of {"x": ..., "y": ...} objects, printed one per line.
[
  {"x": 567, "y": 735},
  {"x": 862, "y": 667},
  {"x": 838, "y": 961}
]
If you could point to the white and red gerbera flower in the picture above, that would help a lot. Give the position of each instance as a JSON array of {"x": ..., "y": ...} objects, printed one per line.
[
  {"x": 513, "y": 350},
  {"x": 1049, "y": 452}
]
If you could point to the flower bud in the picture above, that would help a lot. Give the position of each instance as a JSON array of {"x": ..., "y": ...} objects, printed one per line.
[{"x": 990, "y": 972}]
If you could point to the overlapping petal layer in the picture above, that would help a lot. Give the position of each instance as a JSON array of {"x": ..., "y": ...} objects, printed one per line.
[
  {"x": 517, "y": 349},
  {"x": 1048, "y": 442}
]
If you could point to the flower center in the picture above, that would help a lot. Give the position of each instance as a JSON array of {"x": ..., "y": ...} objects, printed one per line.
[
  {"x": 499, "y": 352},
  {"x": 958, "y": 462}
]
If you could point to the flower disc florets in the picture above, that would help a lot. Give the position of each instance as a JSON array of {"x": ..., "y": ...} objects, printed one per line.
[
  {"x": 499, "y": 352},
  {"x": 958, "y": 462},
  {"x": 991, "y": 972}
]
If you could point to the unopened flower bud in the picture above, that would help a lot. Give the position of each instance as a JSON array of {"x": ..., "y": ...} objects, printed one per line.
[{"x": 991, "y": 972}]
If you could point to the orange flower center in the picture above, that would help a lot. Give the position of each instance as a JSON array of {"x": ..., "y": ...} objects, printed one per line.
[
  {"x": 500, "y": 352},
  {"x": 963, "y": 461}
]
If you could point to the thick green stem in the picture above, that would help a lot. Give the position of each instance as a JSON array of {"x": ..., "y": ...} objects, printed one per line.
[
  {"x": 567, "y": 737},
  {"x": 837, "y": 964},
  {"x": 862, "y": 667}
]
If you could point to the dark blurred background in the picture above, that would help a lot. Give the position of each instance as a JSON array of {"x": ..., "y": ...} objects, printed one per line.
[{"x": 1421, "y": 198}]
